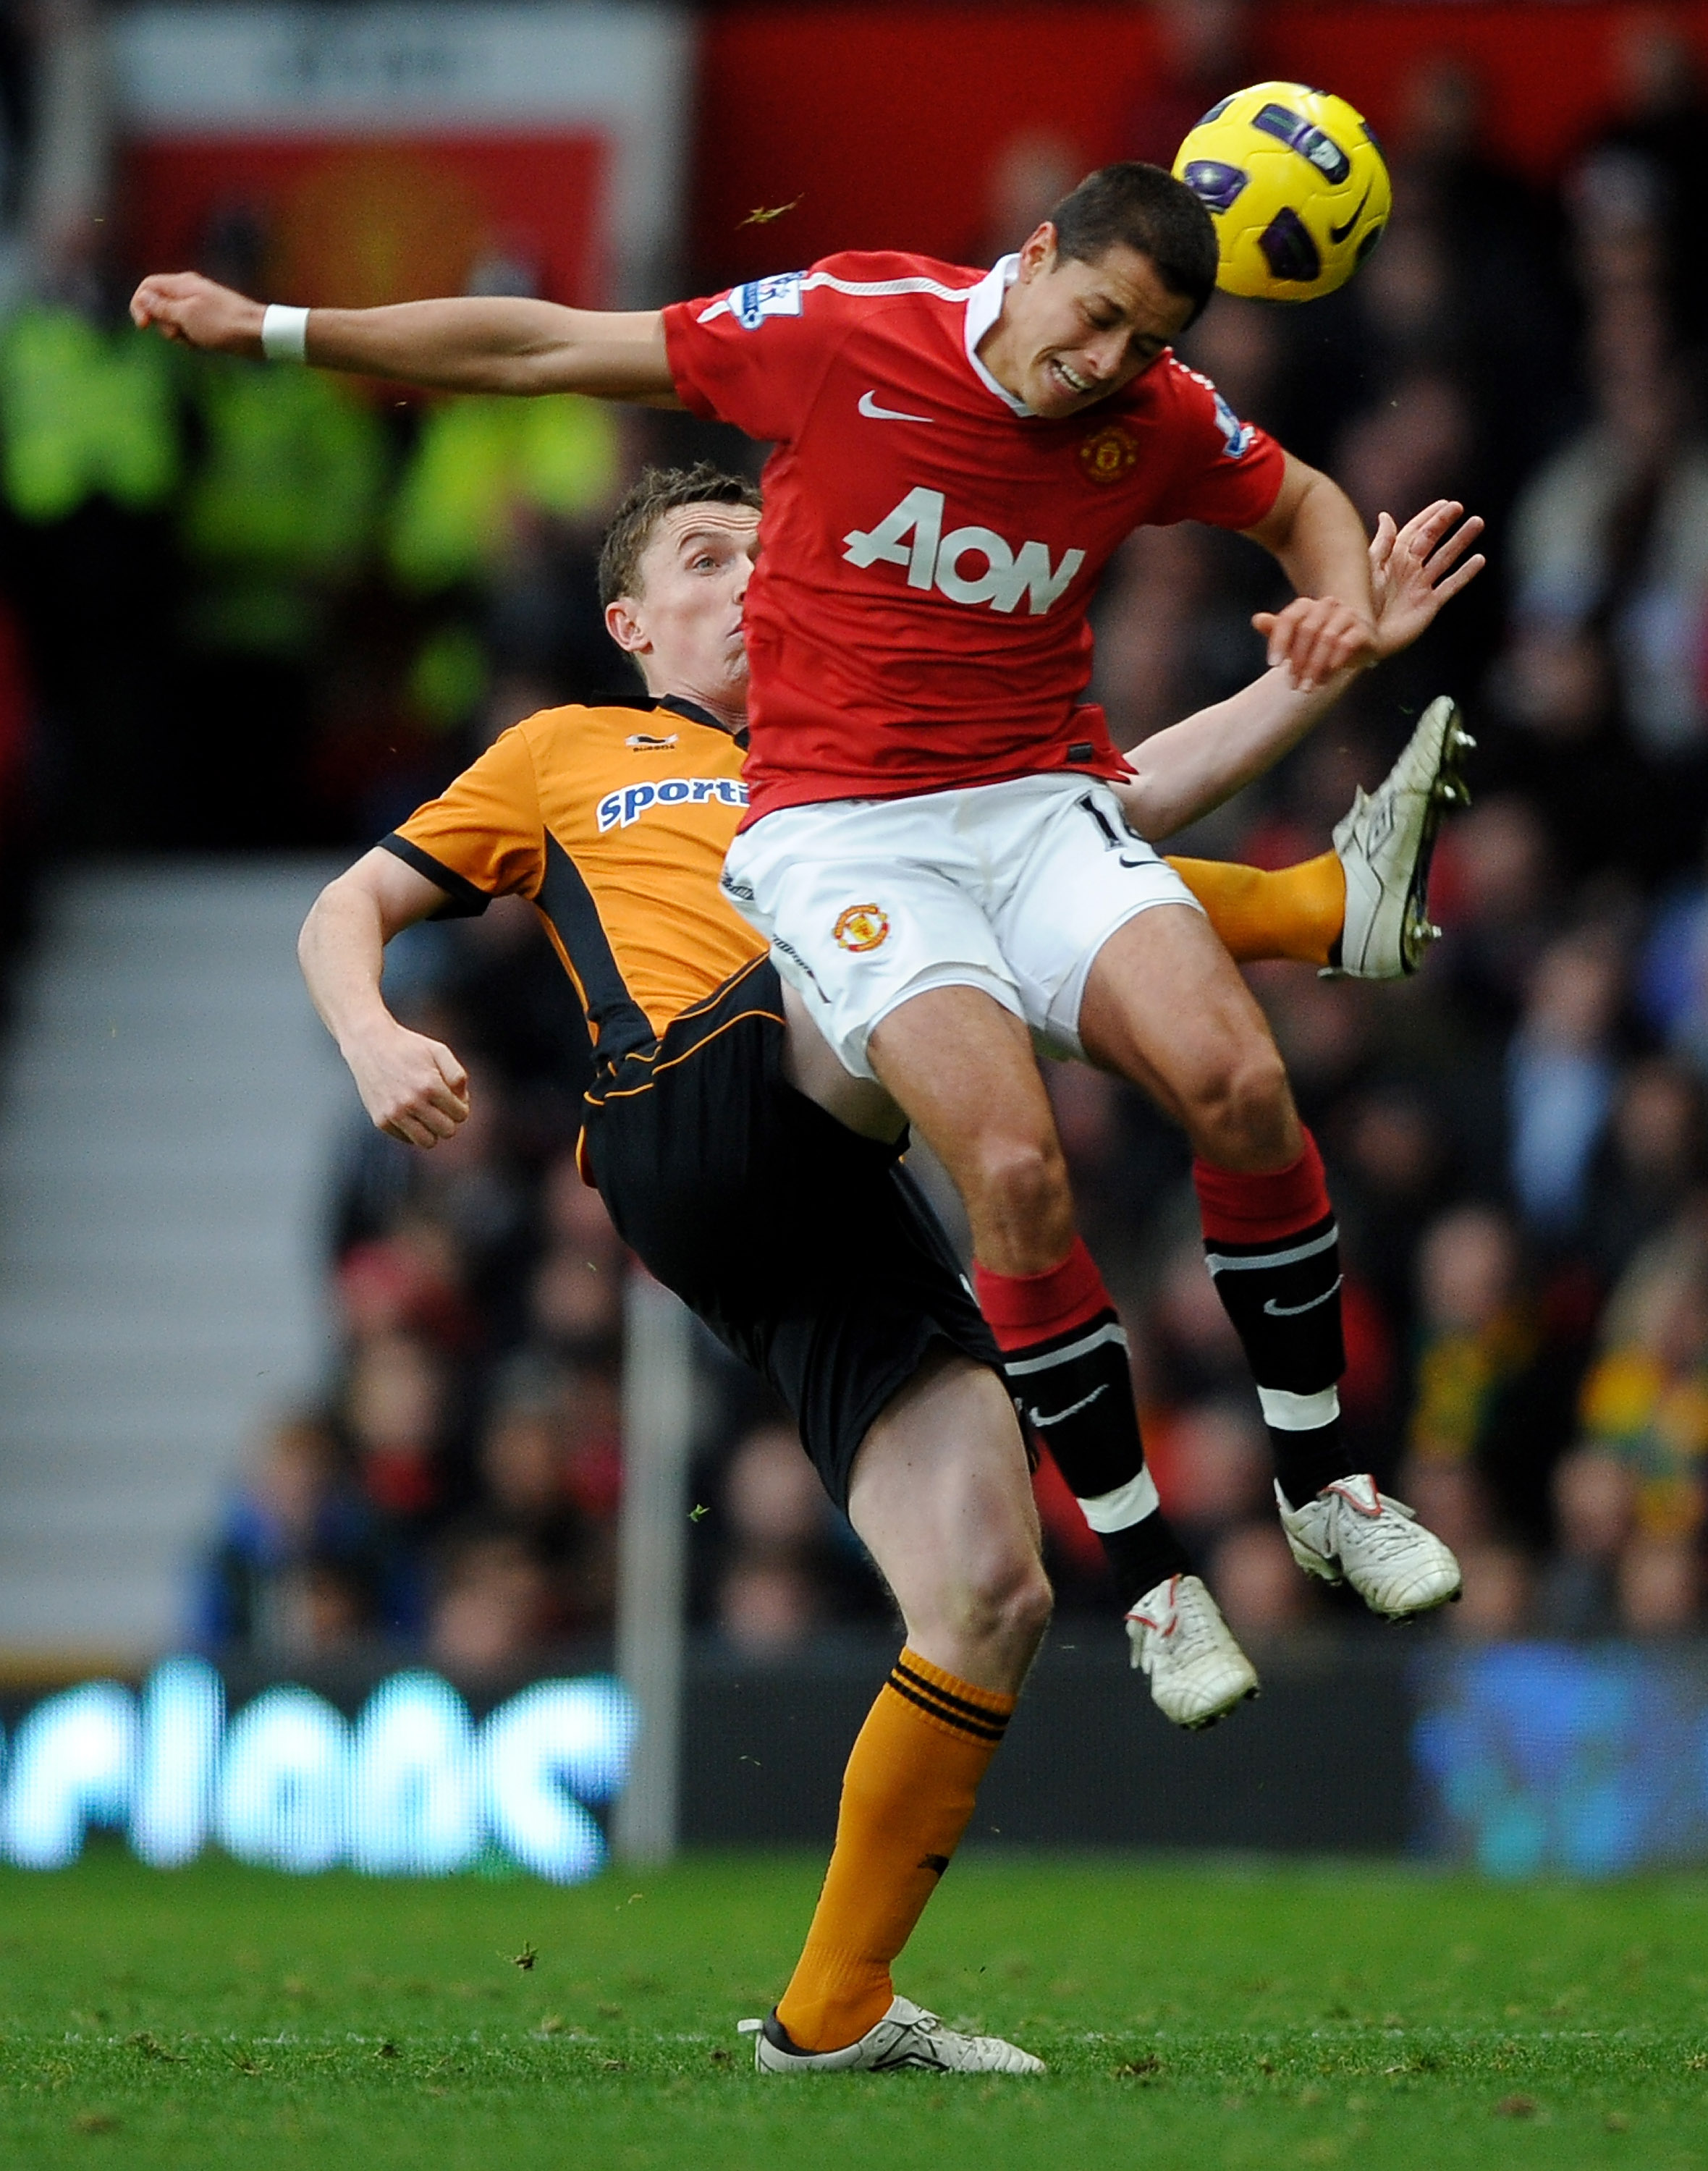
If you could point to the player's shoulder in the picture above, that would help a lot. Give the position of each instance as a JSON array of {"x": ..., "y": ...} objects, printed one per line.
[
  {"x": 866, "y": 275},
  {"x": 1172, "y": 393}
]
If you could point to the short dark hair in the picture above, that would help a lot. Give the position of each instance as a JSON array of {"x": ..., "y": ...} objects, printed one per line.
[
  {"x": 656, "y": 491},
  {"x": 1144, "y": 209}
]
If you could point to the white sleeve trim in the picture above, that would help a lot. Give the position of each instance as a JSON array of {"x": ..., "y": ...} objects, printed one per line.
[{"x": 876, "y": 288}]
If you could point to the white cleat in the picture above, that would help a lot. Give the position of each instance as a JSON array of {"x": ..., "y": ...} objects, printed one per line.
[
  {"x": 1198, "y": 1672},
  {"x": 1385, "y": 845},
  {"x": 1350, "y": 1533},
  {"x": 907, "y": 2035}
]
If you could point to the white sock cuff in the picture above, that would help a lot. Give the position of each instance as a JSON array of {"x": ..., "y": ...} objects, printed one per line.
[
  {"x": 1127, "y": 1505},
  {"x": 1290, "y": 1413}
]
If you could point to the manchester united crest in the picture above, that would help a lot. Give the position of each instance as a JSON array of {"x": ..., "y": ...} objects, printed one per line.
[
  {"x": 862, "y": 927},
  {"x": 1108, "y": 455}
]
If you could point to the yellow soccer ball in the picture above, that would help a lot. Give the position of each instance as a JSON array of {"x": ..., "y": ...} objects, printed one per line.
[{"x": 1296, "y": 185}]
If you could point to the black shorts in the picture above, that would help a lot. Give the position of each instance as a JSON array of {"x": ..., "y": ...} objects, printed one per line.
[{"x": 808, "y": 1250}]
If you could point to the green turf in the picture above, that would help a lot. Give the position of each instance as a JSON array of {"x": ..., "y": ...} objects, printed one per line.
[{"x": 1194, "y": 2017}]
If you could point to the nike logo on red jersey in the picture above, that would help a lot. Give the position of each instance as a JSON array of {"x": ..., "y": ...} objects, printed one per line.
[{"x": 873, "y": 413}]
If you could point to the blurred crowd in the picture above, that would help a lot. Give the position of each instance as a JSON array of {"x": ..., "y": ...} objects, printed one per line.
[{"x": 347, "y": 596}]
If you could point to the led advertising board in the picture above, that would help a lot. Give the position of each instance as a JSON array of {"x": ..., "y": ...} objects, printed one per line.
[{"x": 411, "y": 1787}]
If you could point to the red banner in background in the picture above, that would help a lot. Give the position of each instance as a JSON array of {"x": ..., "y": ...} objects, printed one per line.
[
  {"x": 367, "y": 154},
  {"x": 922, "y": 128},
  {"x": 346, "y": 223}
]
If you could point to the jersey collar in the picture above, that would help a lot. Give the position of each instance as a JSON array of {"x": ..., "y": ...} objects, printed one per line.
[
  {"x": 678, "y": 705},
  {"x": 984, "y": 307}
]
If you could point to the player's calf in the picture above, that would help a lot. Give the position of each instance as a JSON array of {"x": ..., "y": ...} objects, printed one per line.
[
  {"x": 1065, "y": 1354},
  {"x": 1273, "y": 1249}
]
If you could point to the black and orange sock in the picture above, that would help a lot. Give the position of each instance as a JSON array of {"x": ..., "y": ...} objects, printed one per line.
[
  {"x": 906, "y": 1796},
  {"x": 1273, "y": 1252},
  {"x": 1065, "y": 1352}
]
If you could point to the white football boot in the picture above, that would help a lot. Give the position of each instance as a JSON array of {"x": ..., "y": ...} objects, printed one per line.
[
  {"x": 1350, "y": 1533},
  {"x": 907, "y": 2035},
  {"x": 1198, "y": 1672},
  {"x": 1385, "y": 845}
]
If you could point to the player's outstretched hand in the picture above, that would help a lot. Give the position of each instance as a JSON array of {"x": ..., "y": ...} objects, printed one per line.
[
  {"x": 414, "y": 1088},
  {"x": 1416, "y": 569},
  {"x": 1315, "y": 637},
  {"x": 185, "y": 305}
]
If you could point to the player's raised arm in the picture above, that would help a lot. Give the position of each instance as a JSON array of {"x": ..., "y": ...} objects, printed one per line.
[
  {"x": 1313, "y": 529},
  {"x": 468, "y": 345},
  {"x": 1188, "y": 770},
  {"x": 414, "y": 1088}
]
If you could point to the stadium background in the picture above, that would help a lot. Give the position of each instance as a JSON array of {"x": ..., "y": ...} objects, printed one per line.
[{"x": 279, "y": 1394}]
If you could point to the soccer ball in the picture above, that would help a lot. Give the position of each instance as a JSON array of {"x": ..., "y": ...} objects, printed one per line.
[{"x": 1296, "y": 185}]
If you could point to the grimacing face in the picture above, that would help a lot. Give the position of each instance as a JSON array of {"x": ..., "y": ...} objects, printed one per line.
[
  {"x": 682, "y": 626},
  {"x": 1072, "y": 332}
]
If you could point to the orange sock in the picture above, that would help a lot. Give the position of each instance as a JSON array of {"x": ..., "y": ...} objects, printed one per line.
[
  {"x": 1296, "y": 911},
  {"x": 906, "y": 1796}
]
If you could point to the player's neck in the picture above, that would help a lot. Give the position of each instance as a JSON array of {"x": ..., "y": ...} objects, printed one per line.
[
  {"x": 995, "y": 350},
  {"x": 731, "y": 713}
]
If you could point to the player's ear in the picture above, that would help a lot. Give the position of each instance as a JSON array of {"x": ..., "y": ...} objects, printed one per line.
[
  {"x": 1037, "y": 251},
  {"x": 623, "y": 624}
]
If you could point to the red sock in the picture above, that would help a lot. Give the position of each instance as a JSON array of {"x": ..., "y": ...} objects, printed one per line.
[
  {"x": 1258, "y": 1209},
  {"x": 1022, "y": 1308}
]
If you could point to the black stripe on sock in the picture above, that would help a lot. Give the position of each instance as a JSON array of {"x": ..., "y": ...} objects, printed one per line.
[
  {"x": 962, "y": 1704},
  {"x": 991, "y": 1731}
]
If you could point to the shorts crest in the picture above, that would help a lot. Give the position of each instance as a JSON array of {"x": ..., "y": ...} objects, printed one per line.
[{"x": 862, "y": 927}]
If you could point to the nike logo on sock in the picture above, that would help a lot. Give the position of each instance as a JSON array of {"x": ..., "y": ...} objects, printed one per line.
[
  {"x": 1072, "y": 1410},
  {"x": 1292, "y": 1311},
  {"x": 873, "y": 413}
]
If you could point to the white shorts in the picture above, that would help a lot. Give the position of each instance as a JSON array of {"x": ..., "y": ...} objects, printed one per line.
[{"x": 1011, "y": 887}]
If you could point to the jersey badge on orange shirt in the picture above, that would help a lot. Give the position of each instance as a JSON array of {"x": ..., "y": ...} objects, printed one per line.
[
  {"x": 862, "y": 927},
  {"x": 644, "y": 742},
  {"x": 1107, "y": 453}
]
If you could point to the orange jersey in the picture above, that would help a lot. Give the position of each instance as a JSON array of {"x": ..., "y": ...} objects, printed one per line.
[{"x": 614, "y": 822}]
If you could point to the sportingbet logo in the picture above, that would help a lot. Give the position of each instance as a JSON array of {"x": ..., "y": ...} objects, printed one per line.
[
  {"x": 913, "y": 536},
  {"x": 622, "y": 807}
]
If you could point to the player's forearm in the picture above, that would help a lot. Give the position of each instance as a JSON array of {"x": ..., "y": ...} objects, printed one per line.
[
  {"x": 341, "y": 950},
  {"x": 1323, "y": 548},
  {"x": 466, "y": 345},
  {"x": 512, "y": 345},
  {"x": 1192, "y": 767}
]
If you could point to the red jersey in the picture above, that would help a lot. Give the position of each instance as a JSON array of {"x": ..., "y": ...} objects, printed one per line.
[{"x": 917, "y": 618}]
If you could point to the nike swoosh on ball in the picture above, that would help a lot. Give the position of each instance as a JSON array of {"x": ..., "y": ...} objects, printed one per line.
[{"x": 1338, "y": 233}]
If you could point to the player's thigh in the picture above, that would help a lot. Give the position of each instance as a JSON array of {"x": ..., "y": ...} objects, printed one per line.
[
  {"x": 963, "y": 1067},
  {"x": 866, "y": 904},
  {"x": 1070, "y": 875},
  {"x": 1164, "y": 1005},
  {"x": 940, "y": 1493}
]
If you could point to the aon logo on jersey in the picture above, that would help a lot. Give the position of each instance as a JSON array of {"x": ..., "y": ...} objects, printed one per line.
[
  {"x": 619, "y": 808},
  {"x": 968, "y": 565}
]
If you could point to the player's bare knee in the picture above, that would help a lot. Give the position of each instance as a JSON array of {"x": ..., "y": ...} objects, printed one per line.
[
  {"x": 1009, "y": 1601},
  {"x": 1021, "y": 1181},
  {"x": 1241, "y": 1114}
]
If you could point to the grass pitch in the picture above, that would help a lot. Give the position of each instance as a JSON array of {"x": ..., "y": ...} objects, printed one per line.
[{"x": 1194, "y": 2017}]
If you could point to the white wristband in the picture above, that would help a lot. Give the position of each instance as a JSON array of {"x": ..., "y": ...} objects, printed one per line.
[{"x": 284, "y": 333}]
